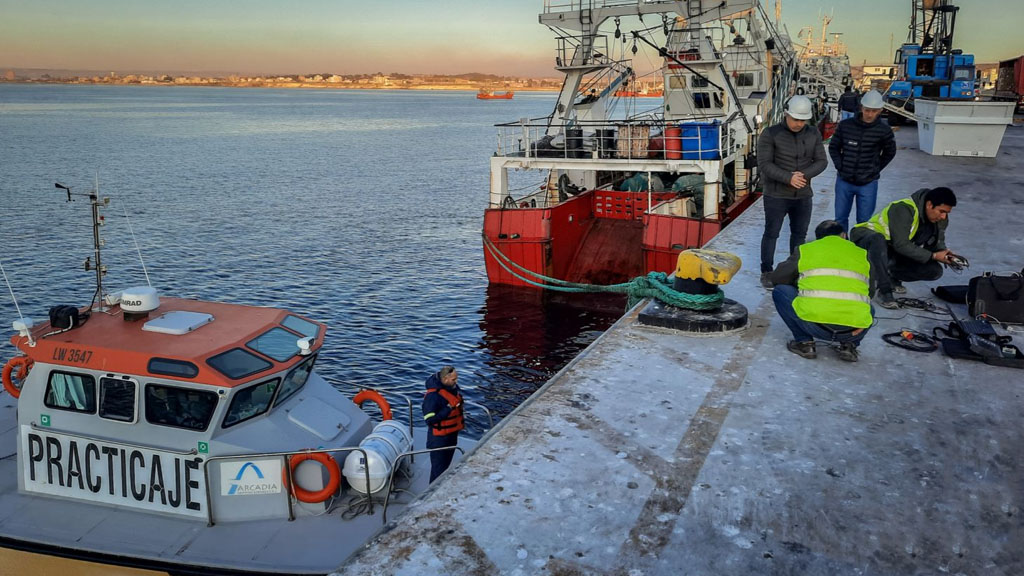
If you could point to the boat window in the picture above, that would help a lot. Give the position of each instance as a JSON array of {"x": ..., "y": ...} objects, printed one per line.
[
  {"x": 179, "y": 407},
  {"x": 237, "y": 363},
  {"x": 277, "y": 343},
  {"x": 304, "y": 327},
  {"x": 295, "y": 379},
  {"x": 701, "y": 100},
  {"x": 117, "y": 399},
  {"x": 699, "y": 81},
  {"x": 67, "y": 391},
  {"x": 745, "y": 79},
  {"x": 169, "y": 367},
  {"x": 250, "y": 402},
  {"x": 677, "y": 82}
]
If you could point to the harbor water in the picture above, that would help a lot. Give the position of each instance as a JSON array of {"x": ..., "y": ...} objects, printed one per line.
[{"x": 358, "y": 208}]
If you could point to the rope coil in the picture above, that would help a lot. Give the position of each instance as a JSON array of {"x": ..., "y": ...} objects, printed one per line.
[{"x": 653, "y": 285}]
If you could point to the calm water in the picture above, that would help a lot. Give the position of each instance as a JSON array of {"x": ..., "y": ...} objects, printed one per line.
[{"x": 361, "y": 209}]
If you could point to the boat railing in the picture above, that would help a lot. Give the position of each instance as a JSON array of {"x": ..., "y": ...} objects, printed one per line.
[
  {"x": 555, "y": 6},
  {"x": 391, "y": 477},
  {"x": 583, "y": 51},
  {"x": 285, "y": 458},
  {"x": 636, "y": 138}
]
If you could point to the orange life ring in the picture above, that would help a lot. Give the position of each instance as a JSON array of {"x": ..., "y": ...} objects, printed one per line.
[
  {"x": 24, "y": 364},
  {"x": 376, "y": 398},
  {"x": 333, "y": 473}
]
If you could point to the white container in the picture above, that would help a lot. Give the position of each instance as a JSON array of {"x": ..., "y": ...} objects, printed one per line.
[
  {"x": 388, "y": 440},
  {"x": 950, "y": 128}
]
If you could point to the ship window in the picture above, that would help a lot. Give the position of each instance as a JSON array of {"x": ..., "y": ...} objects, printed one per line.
[
  {"x": 701, "y": 100},
  {"x": 179, "y": 407},
  {"x": 169, "y": 367},
  {"x": 276, "y": 343},
  {"x": 699, "y": 81},
  {"x": 250, "y": 402},
  {"x": 237, "y": 363},
  {"x": 304, "y": 327},
  {"x": 745, "y": 79},
  {"x": 67, "y": 391},
  {"x": 117, "y": 399},
  {"x": 295, "y": 379},
  {"x": 677, "y": 82}
]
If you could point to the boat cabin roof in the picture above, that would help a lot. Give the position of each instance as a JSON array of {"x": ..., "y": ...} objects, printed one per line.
[{"x": 209, "y": 343}]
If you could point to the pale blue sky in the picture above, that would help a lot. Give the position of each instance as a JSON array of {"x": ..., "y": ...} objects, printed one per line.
[{"x": 346, "y": 36}]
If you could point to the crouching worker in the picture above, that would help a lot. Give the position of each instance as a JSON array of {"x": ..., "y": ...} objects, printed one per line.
[
  {"x": 906, "y": 241},
  {"x": 823, "y": 292},
  {"x": 442, "y": 410}
]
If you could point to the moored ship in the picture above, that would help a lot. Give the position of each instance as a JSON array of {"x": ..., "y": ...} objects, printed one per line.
[
  {"x": 624, "y": 191},
  {"x": 485, "y": 94}
]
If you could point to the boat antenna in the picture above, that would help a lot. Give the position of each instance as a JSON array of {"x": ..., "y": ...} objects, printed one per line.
[
  {"x": 25, "y": 324},
  {"x": 97, "y": 221},
  {"x": 137, "y": 249}
]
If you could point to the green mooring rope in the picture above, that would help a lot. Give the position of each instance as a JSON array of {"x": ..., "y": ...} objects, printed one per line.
[{"x": 653, "y": 285}]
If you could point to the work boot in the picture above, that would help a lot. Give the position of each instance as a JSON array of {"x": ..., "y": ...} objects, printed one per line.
[
  {"x": 898, "y": 287},
  {"x": 803, "y": 349},
  {"x": 766, "y": 280},
  {"x": 885, "y": 300},
  {"x": 848, "y": 352}
]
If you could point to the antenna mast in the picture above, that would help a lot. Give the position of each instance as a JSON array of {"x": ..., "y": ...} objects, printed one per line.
[{"x": 98, "y": 303}]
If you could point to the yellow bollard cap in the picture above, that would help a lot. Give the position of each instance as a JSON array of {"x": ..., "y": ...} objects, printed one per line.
[{"x": 712, "y": 266}]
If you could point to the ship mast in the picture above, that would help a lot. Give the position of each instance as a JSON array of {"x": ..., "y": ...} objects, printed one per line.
[{"x": 98, "y": 303}]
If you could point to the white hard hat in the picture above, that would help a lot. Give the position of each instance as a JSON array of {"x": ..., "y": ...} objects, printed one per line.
[
  {"x": 872, "y": 100},
  {"x": 799, "y": 107}
]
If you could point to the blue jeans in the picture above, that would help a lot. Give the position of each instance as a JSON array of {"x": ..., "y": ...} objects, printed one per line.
[
  {"x": 804, "y": 331},
  {"x": 866, "y": 196}
]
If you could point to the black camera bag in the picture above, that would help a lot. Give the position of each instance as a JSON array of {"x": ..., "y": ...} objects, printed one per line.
[{"x": 1001, "y": 298}]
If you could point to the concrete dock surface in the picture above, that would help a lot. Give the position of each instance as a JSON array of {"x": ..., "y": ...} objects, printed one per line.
[{"x": 658, "y": 453}]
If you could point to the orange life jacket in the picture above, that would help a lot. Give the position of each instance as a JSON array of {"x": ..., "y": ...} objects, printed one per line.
[{"x": 454, "y": 422}]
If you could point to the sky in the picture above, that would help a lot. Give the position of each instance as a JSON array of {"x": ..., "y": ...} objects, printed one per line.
[{"x": 405, "y": 36}]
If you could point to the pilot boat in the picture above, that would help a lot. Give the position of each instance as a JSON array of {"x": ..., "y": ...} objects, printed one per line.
[{"x": 192, "y": 437}]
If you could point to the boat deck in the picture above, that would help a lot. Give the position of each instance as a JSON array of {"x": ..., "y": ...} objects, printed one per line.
[{"x": 659, "y": 453}]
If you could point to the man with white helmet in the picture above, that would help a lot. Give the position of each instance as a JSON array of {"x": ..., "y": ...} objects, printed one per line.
[
  {"x": 860, "y": 149},
  {"x": 789, "y": 154}
]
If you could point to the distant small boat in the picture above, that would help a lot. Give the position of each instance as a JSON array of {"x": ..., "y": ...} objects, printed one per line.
[{"x": 491, "y": 95}]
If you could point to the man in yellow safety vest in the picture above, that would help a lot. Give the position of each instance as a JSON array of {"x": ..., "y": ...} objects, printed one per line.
[
  {"x": 906, "y": 241},
  {"x": 823, "y": 291}
]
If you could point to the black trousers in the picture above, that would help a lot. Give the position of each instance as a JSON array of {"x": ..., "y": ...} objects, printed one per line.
[
  {"x": 775, "y": 211},
  {"x": 888, "y": 265},
  {"x": 441, "y": 459}
]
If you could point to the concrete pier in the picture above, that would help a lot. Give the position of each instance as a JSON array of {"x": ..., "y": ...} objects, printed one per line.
[{"x": 656, "y": 453}]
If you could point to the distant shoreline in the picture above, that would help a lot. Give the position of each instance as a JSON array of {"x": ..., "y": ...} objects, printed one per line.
[{"x": 297, "y": 85}]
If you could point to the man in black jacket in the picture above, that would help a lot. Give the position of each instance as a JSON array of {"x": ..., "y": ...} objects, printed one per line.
[
  {"x": 861, "y": 148},
  {"x": 789, "y": 154},
  {"x": 848, "y": 103}
]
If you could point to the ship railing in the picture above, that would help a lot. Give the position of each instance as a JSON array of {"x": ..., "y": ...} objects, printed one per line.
[
  {"x": 286, "y": 463},
  {"x": 582, "y": 51},
  {"x": 555, "y": 6},
  {"x": 640, "y": 137}
]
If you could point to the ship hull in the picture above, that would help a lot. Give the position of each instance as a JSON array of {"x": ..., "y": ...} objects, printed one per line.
[{"x": 598, "y": 237}]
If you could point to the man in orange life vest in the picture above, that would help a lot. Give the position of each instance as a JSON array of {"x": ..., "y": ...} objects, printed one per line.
[{"x": 442, "y": 410}]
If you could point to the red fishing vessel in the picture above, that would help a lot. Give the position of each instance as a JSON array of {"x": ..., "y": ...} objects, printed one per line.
[
  {"x": 624, "y": 191},
  {"x": 491, "y": 95}
]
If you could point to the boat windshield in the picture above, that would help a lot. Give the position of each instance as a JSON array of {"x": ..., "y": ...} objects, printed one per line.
[
  {"x": 250, "y": 402},
  {"x": 296, "y": 379},
  {"x": 179, "y": 407},
  {"x": 276, "y": 343}
]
